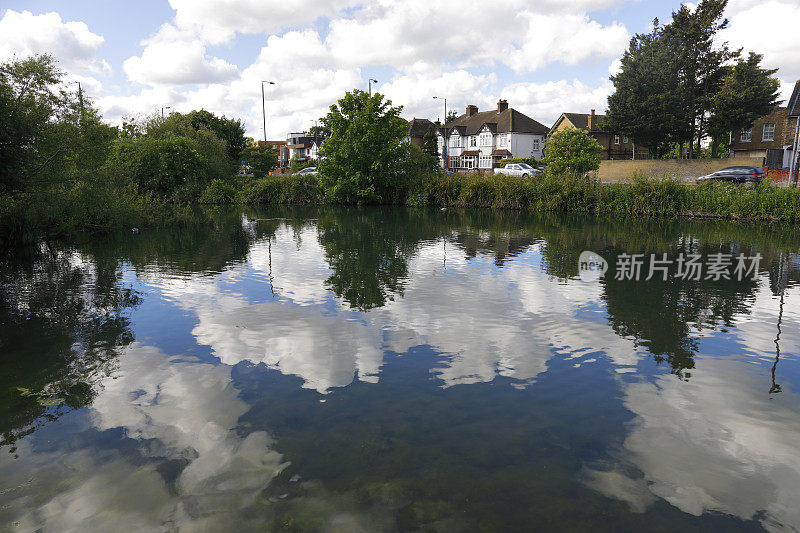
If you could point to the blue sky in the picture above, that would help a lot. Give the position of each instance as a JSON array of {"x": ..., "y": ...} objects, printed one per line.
[{"x": 544, "y": 58}]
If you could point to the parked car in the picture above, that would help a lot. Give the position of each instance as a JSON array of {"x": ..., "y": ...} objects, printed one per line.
[
  {"x": 309, "y": 170},
  {"x": 747, "y": 175},
  {"x": 518, "y": 169}
]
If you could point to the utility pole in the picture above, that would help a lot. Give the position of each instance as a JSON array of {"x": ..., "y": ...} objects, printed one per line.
[
  {"x": 263, "y": 109},
  {"x": 370, "y": 85},
  {"x": 445, "y": 159}
]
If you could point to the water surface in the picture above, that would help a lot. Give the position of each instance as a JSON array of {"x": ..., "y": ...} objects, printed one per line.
[{"x": 399, "y": 370}]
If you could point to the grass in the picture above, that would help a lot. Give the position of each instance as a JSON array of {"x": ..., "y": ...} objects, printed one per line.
[{"x": 94, "y": 209}]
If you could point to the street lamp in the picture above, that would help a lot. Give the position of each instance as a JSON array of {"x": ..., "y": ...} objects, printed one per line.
[
  {"x": 162, "y": 110},
  {"x": 444, "y": 133},
  {"x": 370, "y": 85},
  {"x": 263, "y": 109}
]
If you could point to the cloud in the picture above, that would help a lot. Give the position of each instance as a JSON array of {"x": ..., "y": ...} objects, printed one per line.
[
  {"x": 173, "y": 57},
  {"x": 546, "y": 101},
  {"x": 467, "y": 34},
  {"x": 768, "y": 28},
  {"x": 23, "y": 34},
  {"x": 218, "y": 21}
]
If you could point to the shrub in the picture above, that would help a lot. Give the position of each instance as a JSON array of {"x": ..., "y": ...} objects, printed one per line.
[{"x": 572, "y": 151}]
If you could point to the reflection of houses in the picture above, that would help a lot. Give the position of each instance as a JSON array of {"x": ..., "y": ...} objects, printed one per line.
[
  {"x": 478, "y": 140},
  {"x": 771, "y": 138},
  {"x": 418, "y": 128},
  {"x": 301, "y": 147},
  {"x": 614, "y": 146}
]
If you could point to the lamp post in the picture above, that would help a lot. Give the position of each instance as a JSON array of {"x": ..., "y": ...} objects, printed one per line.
[
  {"x": 263, "y": 109},
  {"x": 162, "y": 110},
  {"x": 444, "y": 133},
  {"x": 370, "y": 85}
]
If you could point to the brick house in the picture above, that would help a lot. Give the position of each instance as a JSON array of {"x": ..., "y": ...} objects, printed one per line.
[
  {"x": 614, "y": 146},
  {"x": 771, "y": 138},
  {"x": 418, "y": 128},
  {"x": 478, "y": 140}
]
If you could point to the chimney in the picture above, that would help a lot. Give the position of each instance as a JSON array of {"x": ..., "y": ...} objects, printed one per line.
[
  {"x": 471, "y": 110},
  {"x": 502, "y": 105},
  {"x": 591, "y": 120}
]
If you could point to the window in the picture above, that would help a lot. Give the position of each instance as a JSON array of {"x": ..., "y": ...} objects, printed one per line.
[
  {"x": 501, "y": 140},
  {"x": 468, "y": 161},
  {"x": 486, "y": 139},
  {"x": 455, "y": 141},
  {"x": 454, "y": 161},
  {"x": 769, "y": 132},
  {"x": 536, "y": 145},
  {"x": 746, "y": 135},
  {"x": 473, "y": 141},
  {"x": 486, "y": 161},
  {"x": 624, "y": 140},
  {"x": 616, "y": 139}
]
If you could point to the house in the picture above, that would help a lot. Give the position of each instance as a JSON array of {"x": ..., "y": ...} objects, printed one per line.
[
  {"x": 418, "y": 128},
  {"x": 279, "y": 147},
  {"x": 771, "y": 138},
  {"x": 301, "y": 147},
  {"x": 478, "y": 140},
  {"x": 614, "y": 146}
]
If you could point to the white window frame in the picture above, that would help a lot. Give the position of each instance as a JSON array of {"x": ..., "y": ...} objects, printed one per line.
[
  {"x": 473, "y": 141},
  {"x": 536, "y": 145},
  {"x": 771, "y": 136},
  {"x": 485, "y": 161},
  {"x": 747, "y": 135},
  {"x": 501, "y": 141},
  {"x": 616, "y": 139},
  {"x": 486, "y": 139}
]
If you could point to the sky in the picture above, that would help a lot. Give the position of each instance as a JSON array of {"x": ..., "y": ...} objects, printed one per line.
[{"x": 544, "y": 57}]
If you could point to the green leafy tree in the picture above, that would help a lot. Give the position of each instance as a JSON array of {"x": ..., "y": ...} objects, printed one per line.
[
  {"x": 701, "y": 60},
  {"x": 747, "y": 93},
  {"x": 572, "y": 151},
  {"x": 365, "y": 158},
  {"x": 228, "y": 130},
  {"x": 260, "y": 159},
  {"x": 451, "y": 116},
  {"x": 646, "y": 103}
]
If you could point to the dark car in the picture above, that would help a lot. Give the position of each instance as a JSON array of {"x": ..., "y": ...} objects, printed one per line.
[{"x": 748, "y": 175}]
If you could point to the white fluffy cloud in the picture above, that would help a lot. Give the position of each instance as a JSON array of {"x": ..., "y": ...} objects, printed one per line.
[
  {"x": 546, "y": 101},
  {"x": 23, "y": 34},
  {"x": 768, "y": 28},
  {"x": 219, "y": 20},
  {"x": 174, "y": 57}
]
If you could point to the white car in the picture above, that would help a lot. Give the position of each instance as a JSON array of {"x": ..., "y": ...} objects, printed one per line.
[
  {"x": 523, "y": 170},
  {"x": 309, "y": 170}
]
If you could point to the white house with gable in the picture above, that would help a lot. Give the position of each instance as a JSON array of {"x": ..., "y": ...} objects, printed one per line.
[{"x": 477, "y": 140}]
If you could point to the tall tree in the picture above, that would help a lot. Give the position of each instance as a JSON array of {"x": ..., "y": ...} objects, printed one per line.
[
  {"x": 700, "y": 61},
  {"x": 646, "y": 102},
  {"x": 365, "y": 156},
  {"x": 747, "y": 93}
]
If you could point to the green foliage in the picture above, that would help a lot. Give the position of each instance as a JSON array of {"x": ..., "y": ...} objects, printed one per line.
[
  {"x": 260, "y": 159},
  {"x": 747, "y": 93},
  {"x": 295, "y": 189},
  {"x": 451, "y": 116},
  {"x": 677, "y": 84},
  {"x": 364, "y": 159},
  {"x": 230, "y": 131},
  {"x": 430, "y": 144},
  {"x": 296, "y": 164},
  {"x": 572, "y": 151}
]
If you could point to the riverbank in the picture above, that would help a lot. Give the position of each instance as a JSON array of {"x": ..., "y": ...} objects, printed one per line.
[
  {"x": 102, "y": 210},
  {"x": 639, "y": 196}
]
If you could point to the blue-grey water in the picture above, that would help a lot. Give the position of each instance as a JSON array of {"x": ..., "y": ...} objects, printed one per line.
[{"x": 397, "y": 370}]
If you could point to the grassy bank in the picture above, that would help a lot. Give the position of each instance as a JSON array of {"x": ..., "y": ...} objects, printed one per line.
[
  {"x": 95, "y": 210},
  {"x": 641, "y": 196}
]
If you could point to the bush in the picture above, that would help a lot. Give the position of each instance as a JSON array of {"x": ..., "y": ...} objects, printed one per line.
[{"x": 572, "y": 152}]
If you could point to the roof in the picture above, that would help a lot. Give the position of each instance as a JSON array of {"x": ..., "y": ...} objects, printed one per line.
[
  {"x": 297, "y": 146},
  {"x": 581, "y": 121},
  {"x": 508, "y": 120},
  {"x": 501, "y": 151},
  {"x": 794, "y": 101},
  {"x": 471, "y": 152},
  {"x": 418, "y": 127}
]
